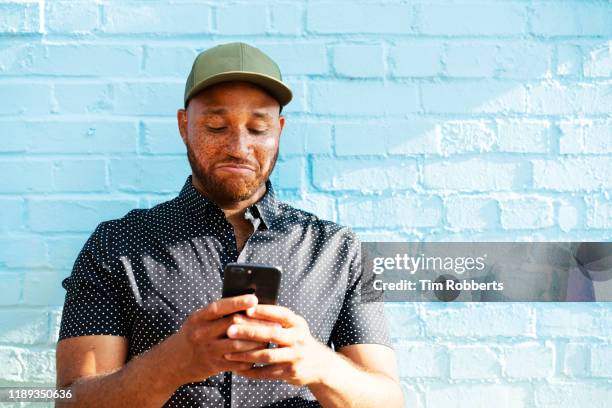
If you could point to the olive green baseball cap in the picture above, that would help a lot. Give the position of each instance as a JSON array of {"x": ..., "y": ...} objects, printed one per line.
[{"x": 236, "y": 61}]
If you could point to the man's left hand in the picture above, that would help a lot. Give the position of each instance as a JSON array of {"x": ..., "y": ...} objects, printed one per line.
[{"x": 299, "y": 359}]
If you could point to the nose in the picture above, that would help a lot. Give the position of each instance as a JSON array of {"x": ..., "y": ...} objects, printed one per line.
[{"x": 238, "y": 144}]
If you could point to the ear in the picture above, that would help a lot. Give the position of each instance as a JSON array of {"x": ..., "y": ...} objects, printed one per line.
[
  {"x": 181, "y": 117},
  {"x": 281, "y": 122}
]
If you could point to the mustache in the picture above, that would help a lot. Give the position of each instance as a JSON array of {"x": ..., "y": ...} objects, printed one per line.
[{"x": 238, "y": 162}]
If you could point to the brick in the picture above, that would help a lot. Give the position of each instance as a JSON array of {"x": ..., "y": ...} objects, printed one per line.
[
  {"x": 23, "y": 326},
  {"x": 11, "y": 288},
  {"x": 346, "y": 98},
  {"x": 411, "y": 395},
  {"x": 43, "y": 288},
  {"x": 148, "y": 98},
  {"x": 527, "y": 213},
  {"x": 571, "y": 18},
  {"x": 327, "y": 18},
  {"x": 348, "y": 61},
  {"x": 473, "y": 362},
  {"x": 23, "y": 252},
  {"x": 477, "y": 18},
  {"x": 39, "y": 366},
  {"x": 569, "y": 60},
  {"x": 298, "y": 58},
  {"x": 162, "y": 137},
  {"x": 599, "y": 214},
  {"x": 244, "y": 19},
  {"x": 159, "y": 175},
  {"x": 298, "y": 102},
  {"x": 83, "y": 98},
  {"x": 56, "y": 215},
  {"x": 480, "y": 321},
  {"x": 69, "y": 137},
  {"x": 25, "y": 98},
  {"x": 305, "y": 137},
  {"x": 79, "y": 175},
  {"x": 528, "y": 361},
  {"x": 20, "y": 17},
  {"x": 466, "y": 136},
  {"x": 465, "y": 97},
  {"x": 585, "y": 137},
  {"x": 12, "y": 214},
  {"x": 568, "y": 320},
  {"x": 11, "y": 363},
  {"x": 26, "y": 176},
  {"x": 600, "y": 360},
  {"x": 353, "y": 139},
  {"x": 319, "y": 204},
  {"x": 488, "y": 59},
  {"x": 55, "y": 323},
  {"x": 573, "y": 174},
  {"x": 138, "y": 17},
  {"x": 390, "y": 212},
  {"x": 571, "y": 395},
  {"x": 404, "y": 322},
  {"x": 475, "y": 175},
  {"x": 576, "y": 359},
  {"x": 523, "y": 136},
  {"x": 173, "y": 61},
  {"x": 364, "y": 175},
  {"x": 570, "y": 214},
  {"x": 289, "y": 174},
  {"x": 93, "y": 60},
  {"x": 469, "y": 212},
  {"x": 71, "y": 17},
  {"x": 416, "y": 136},
  {"x": 477, "y": 396},
  {"x": 553, "y": 98},
  {"x": 286, "y": 19},
  {"x": 63, "y": 250},
  {"x": 421, "y": 360},
  {"x": 11, "y": 140},
  {"x": 419, "y": 58},
  {"x": 598, "y": 61}
]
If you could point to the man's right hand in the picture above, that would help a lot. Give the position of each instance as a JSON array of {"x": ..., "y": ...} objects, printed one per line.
[{"x": 198, "y": 347}]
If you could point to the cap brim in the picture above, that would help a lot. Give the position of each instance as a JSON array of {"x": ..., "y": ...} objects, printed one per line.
[{"x": 276, "y": 88}]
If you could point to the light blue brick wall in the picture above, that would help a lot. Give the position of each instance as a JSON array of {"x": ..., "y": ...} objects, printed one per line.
[{"x": 445, "y": 120}]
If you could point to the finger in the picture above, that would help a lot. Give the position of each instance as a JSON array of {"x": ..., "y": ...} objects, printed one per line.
[
  {"x": 239, "y": 318},
  {"x": 217, "y": 328},
  {"x": 266, "y": 356},
  {"x": 226, "y": 346},
  {"x": 276, "y": 313},
  {"x": 280, "y": 336},
  {"x": 272, "y": 372},
  {"x": 225, "y": 306}
]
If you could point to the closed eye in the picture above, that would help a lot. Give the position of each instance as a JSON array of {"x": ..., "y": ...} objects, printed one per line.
[{"x": 216, "y": 129}]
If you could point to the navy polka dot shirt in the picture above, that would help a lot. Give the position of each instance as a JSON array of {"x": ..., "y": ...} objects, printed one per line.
[{"x": 140, "y": 276}]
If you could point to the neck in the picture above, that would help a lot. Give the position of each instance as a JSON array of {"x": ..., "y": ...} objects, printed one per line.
[{"x": 232, "y": 209}]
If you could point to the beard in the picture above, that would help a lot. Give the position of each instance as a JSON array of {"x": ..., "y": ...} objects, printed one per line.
[{"x": 228, "y": 189}]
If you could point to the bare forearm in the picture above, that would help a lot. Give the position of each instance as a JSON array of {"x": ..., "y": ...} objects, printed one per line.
[
  {"x": 146, "y": 381},
  {"x": 348, "y": 385}
]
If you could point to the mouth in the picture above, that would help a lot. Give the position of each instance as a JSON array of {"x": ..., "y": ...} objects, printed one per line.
[{"x": 235, "y": 168}]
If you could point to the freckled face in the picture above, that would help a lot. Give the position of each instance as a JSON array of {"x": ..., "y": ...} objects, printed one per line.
[{"x": 232, "y": 137}]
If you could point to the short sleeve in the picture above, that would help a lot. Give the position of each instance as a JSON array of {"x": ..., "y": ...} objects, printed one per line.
[
  {"x": 362, "y": 318},
  {"x": 96, "y": 302}
]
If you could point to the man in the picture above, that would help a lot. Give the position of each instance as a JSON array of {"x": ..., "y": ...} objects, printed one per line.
[{"x": 143, "y": 323}]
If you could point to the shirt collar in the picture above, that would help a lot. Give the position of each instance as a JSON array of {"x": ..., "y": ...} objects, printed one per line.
[{"x": 266, "y": 208}]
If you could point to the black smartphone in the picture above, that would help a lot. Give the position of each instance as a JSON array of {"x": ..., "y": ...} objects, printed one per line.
[{"x": 243, "y": 278}]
